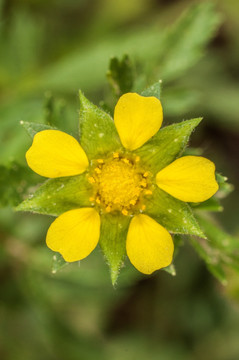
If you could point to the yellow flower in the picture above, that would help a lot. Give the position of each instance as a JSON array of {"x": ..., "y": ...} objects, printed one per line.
[{"x": 120, "y": 183}]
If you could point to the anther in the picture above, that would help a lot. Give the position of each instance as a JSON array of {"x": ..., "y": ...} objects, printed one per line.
[
  {"x": 98, "y": 200},
  {"x": 132, "y": 202},
  {"x": 137, "y": 159},
  {"x": 148, "y": 192},
  {"x": 97, "y": 170},
  {"x": 126, "y": 161},
  {"x": 91, "y": 180},
  {"x": 92, "y": 198},
  {"x": 100, "y": 161},
  {"x": 115, "y": 155},
  {"x": 108, "y": 208},
  {"x": 143, "y": 207},
  {"x": 146, "y": 174},
  {"x": 143, "y": 183},
  {"x": 125, "y": 212}
]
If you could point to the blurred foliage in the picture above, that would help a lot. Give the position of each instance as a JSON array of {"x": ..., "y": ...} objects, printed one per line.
[{"x": 59, "y": 47}]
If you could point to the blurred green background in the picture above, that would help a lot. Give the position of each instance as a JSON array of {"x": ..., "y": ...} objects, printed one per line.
[{"x": 48, "y": 50}]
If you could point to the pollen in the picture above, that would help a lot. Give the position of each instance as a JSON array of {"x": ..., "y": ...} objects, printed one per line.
[
  {"x": 97, "y": 170},
  {"x": 116, "y": 155},
  {"x": 97, "y": 200},
  {"x": 91, "y": 180},
  {"x": 120, "y": 185}
]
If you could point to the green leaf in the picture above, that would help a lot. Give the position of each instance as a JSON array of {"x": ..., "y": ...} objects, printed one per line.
[
  {"x": 112, "y": 241},
  {"x": 185, "y": 42},
  {"x": 57, "y": 263},
  {"x": 98, "y": 135},
  {"x": 33, "y": 128},
  {"x": 211, "y": 204},
  {"x": 121, "y": 75},
  {"x": 59, "y": 195},
  {"x": 220, "y": 250},
  {"x": 175, "y": 215},
  {"x": 153, "y": 90},
  {"x": 168, "y": 144},
  {"x": 218, "y": 237},
  {"x": 214, "y": 264},
  {"x": 178, "y": 100},
  {"x": 14, "y": 182},
  {"x": 54, "y": 110}
]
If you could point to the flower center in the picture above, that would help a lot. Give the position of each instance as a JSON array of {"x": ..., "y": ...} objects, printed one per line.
[{"x": 120, "y": 184}]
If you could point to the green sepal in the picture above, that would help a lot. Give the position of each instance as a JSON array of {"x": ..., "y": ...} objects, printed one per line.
[
  {"x": 170, "y": 270},
  {"x": 168, "y": 144},
  {"x": 153, "y": 90},
  {"x": 57, "y": 196},
  {"x": 121, "y": 75},
  {"x": 33, "y": 128},
  {"x": 98, "y": 135},
  {"x": 113, "y": 241},
  {"x": 224, "y": 187},
  {"x": 175, "y": 215},
  {"x": 57, "y": 263}
]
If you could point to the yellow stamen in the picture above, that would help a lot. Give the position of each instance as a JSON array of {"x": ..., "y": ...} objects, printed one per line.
[
  {"x": 137, "y": 159},
  {"x": 97, "y": 170},
  {"x": 126, "y": 161},
  {"x": 143, "y": 183},
  {"x": 143, "y": 207},
  {"x": 120, "y": 184},
  {"x": 97, "y": 200},
  {"x": 91, "y": 180}
]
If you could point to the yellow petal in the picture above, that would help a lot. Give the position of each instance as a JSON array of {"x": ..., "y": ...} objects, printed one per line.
[
  {"x": 137, "y": 119},
  {"x": 149, "y": 246},
  {"x": 75, "y": 233},
  {"x": 54, "y": 154},
  {"x": 190, "y": 179}
]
